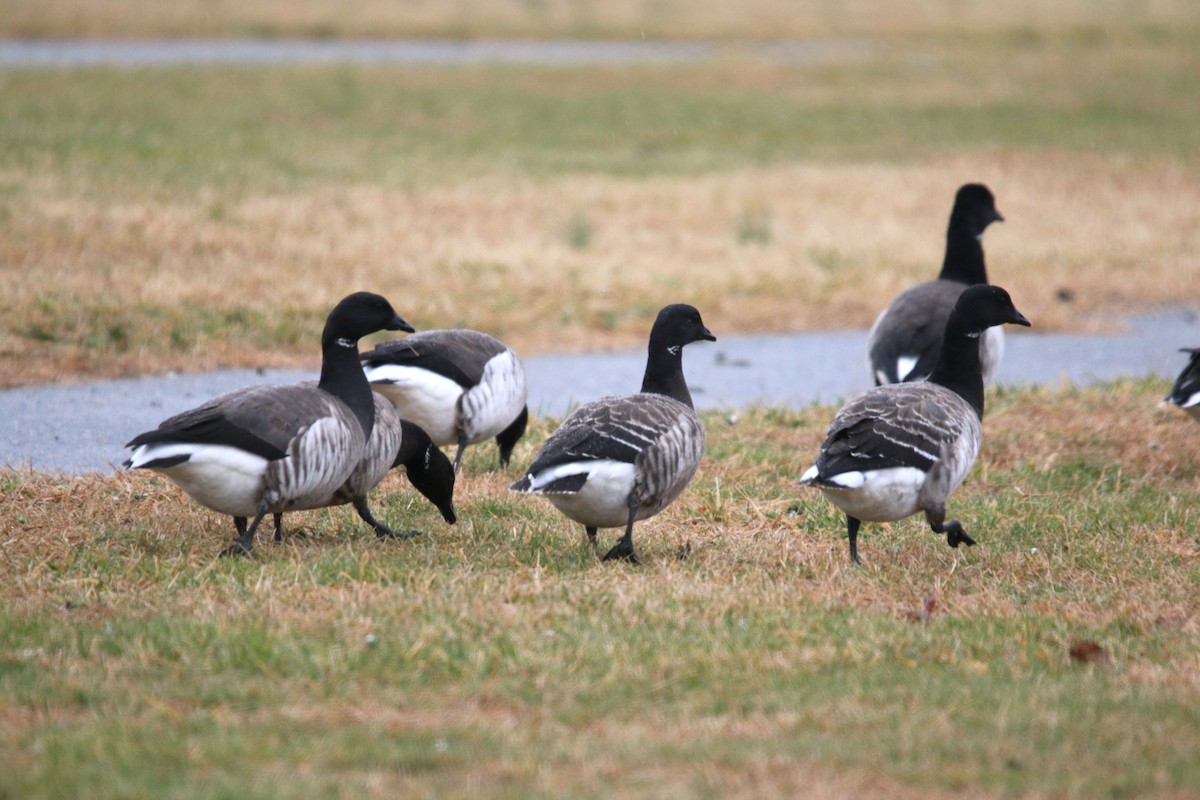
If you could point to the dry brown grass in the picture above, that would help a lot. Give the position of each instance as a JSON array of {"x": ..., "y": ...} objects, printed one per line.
[{"x": 495, "y": 253}]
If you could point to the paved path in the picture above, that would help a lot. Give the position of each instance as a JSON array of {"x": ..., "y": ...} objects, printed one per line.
[
  {"x": 76, "y": 53},
  {"x": 82, "y": 428}
]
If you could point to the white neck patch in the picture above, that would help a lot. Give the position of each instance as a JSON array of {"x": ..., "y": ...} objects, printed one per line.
[
  {"x": 674, "y": 349},
  {"x": 344, "y": 342}
]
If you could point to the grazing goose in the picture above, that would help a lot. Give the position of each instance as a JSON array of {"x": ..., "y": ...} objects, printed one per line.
[
  {"x": 620, "y": 459},
  {"x": 461, "y": 386},
  {"x": 394, "y": 442},
  {"x": 269, "y": 449},
  {"x": 1186, "y": 391},
  {"x": 904, "y": 342},
  {"x": 903, "y": 448}
]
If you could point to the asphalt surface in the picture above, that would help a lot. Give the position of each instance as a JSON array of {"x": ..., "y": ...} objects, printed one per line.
[{"x": 82, "y": 428}]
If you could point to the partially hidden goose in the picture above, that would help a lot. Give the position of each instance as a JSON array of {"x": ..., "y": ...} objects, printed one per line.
[
  {"x": 1186, "y": 391},
  {"x": 904, "y": 342},
  {"x": 269, "y": 449},
  {"x": 394, "y": 442},
  {"x": 903, "y": 448},
  {"x": 624, "y": 458},
  {"x": 461, "y": 386}
]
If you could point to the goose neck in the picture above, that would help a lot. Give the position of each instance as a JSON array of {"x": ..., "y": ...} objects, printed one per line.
[
  {"x": 958, "y": 367},
  {"x": 964, "y": 260},
  {"x": 664, "y": 373},
  {"x": 342, "y": 376}
]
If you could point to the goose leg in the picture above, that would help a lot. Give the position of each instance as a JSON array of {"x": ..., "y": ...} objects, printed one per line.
[
  {"x": 852, "y": 525},
  {"x": 462, "y": 445},
  {"x": 591, "y": 533},
  {"x": 381, "y": 530},
  {"x": 245, "y": 541},
  {"x": 955, "y": 535},
  {"x": 624, "y": 547},
  {"x": 279, "y": 527},
  {"x": 507, "y": 439}
]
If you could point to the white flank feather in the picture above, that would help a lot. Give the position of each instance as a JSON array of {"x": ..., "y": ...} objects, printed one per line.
[
  {"x": 422, "y": 397},
  {"x": 602, "y": 501},
  {"x": 225, "y": 479}
]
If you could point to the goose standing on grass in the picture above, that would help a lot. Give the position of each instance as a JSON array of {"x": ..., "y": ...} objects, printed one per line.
[
  {"x": 904, "y": 342},
  {"x": 903, "y": 448},
  {"x": 270, "y": 449},
  {"x": 624, "y": 458},
  {"x": 1186, "y": 391},
  {"x": 460, "y": 386},
  {"x": 394, "y": 442}
]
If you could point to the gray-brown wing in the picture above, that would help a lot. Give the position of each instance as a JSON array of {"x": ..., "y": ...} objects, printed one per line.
[
  {"x": 457, "y": 354},
  {"x": 258, "y": 419},
  {"x": 618, "y": 428},
  {"x": 898, "y": 425}
]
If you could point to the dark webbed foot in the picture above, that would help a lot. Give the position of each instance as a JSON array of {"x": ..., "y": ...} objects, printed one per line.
[
  {"x": 384, "y": 532},
  {"x": 235, "y": 549},
  {"x": 623, "y": 551},
  {"x": 245, "y": 541},
  {"x": 624, "y": 548}
]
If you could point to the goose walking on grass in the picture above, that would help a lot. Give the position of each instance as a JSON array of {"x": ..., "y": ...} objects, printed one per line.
[
  {"x": 624, "y": 458},
  {"x": 903, "y": 448},
  {"x": 393, "y": 443},
  {"x": 269, "y": 449},
  {"x": 1186, "y": 391},
  {"x": 904, "y": 342},
  {"x": 461, "y": 386}
]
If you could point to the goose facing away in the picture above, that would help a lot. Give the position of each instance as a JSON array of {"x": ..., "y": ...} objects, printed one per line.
[
  {"x": 625, "y": 458},
  {"x": 1186, "y": 391},
  {"x": 903, "y": 448},
  {"x": 461, "y": 386},
  {"x": 270, "y": 449},
  {"x": 904, "y": 342},
  {"x": 393, "y": 443}
]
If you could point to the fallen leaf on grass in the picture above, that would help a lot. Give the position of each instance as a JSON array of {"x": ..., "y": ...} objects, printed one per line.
[{"x": 1088, "y": 652}]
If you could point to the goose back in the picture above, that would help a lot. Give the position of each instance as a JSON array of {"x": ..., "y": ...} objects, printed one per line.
[{"x": 454, "y": 384}]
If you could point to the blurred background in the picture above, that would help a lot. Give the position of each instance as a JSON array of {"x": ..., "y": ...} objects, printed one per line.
[{"x": 554, "y": 172}]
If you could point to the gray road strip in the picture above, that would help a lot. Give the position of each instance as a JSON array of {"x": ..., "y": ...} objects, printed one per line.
[
  {"x": 54, "y": 53},
  {"x": 82, "y": 428}
]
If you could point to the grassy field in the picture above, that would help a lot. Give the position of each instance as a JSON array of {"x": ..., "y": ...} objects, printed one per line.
[
  {"x": 745, "y": 658},
  {"x": 185, "y": 219},
  {"x": 164, "y": 219}
]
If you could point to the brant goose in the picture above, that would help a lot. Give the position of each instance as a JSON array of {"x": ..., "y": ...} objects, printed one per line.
[
  {"x": 394, "y": 442},
  {"x": 269, "y": 449},
  {"x": 461, "y": 386},
  {"x": 1186, "y": 391},
  {"x": 904, "y": 342},
  {"x": 903, "y": 448},
  {"x": 624, "y": 458}
]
